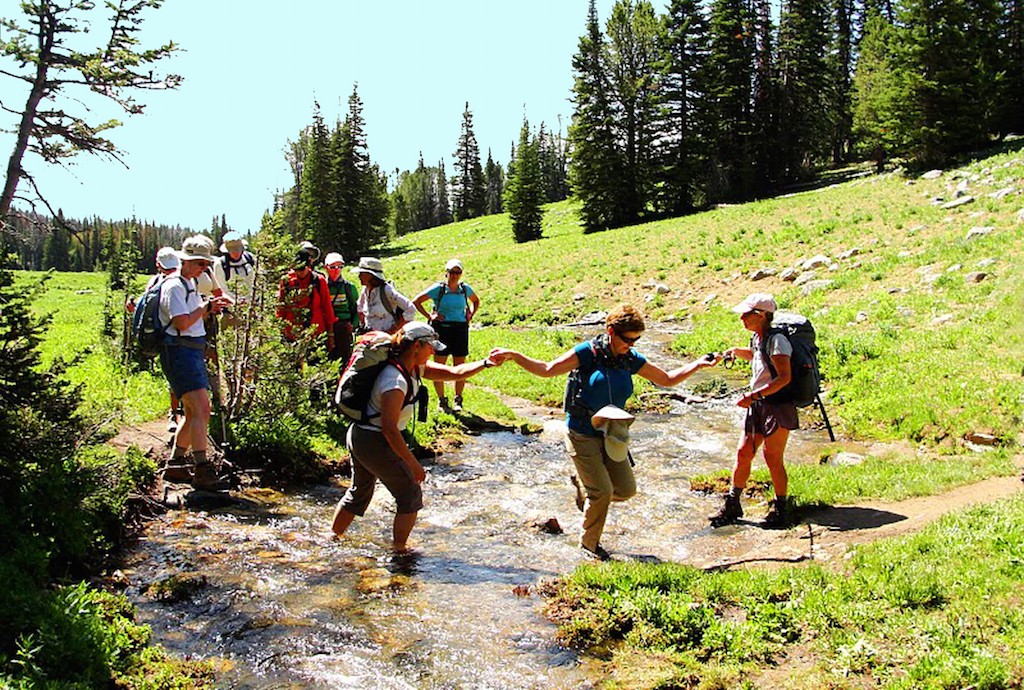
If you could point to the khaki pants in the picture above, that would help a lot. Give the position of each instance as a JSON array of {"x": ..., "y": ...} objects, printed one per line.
[{"x": 604, "y": 480}]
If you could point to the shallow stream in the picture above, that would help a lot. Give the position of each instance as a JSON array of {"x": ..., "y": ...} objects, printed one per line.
[{"x": 286, "y": 606}]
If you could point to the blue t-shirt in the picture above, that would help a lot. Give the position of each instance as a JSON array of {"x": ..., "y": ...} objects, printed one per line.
[
  {"x": 451, "y": 305},
  {"x": 603, "y": 386}
]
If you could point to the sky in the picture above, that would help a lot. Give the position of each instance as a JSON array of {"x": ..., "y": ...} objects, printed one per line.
[{"x": 253, "y": 68}]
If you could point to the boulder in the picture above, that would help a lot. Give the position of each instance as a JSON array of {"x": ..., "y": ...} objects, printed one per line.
[
  {"x": 662, "y": 289},
  {"x": 985, "y": 263},
  {"x": 939, "y": 320},
  {"x": 958, "y": 202},
  {"x": 975, "y": 276},
  {"x": 788, "y": 275},
  {"x": 709, "y": 299},
  {"x": 862, "y": 316},
  {"x": 932, "y": 175},
  {"x": 762, "y": 273},
  {"x": 805, "y": 277},
  {"x": 979, "y": 231},
  {"x": 846, "y": 459},
  {"x": 1000, "y": 193},
  {"x": 579, "y": 297},
  {"x": 815, "y": 286},
  {"x": 850, "y": 253},
  {"x": 816, "y": 261}
]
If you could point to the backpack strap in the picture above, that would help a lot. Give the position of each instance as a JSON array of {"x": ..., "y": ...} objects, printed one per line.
[
  {"x": 409, "y": 394},
  {"x": 386, "y": 302}
]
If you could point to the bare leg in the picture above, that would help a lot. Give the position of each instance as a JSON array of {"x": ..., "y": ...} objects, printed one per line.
[
  {"x": 342, "y": 519},
  {"x": 744, "y": 456},
  {"x": 774, "y": 452},
  {"x": 439, "y": 385},
  {"x": 404, "y": 523},
  {"x": 459, "y": 385}
]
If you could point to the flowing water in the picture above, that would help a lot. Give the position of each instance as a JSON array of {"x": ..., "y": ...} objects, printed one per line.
[{"x": 286, "y": 606}]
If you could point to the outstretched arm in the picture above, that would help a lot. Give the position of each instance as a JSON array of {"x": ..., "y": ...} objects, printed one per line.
[
  {"x": 443, "y": 372},
  {"x": 560, "y": 365},
  {"x": 660, "y": 377}
]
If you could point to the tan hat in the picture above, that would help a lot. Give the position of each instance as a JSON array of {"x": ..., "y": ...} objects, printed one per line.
[
  {"x": 760, "y": 301},
  {"x": 233, "y": 242},
  {"x": 196, "y": 248},
  {"x": 614, "y": 423},
  {"x": 371, "y": 265}
]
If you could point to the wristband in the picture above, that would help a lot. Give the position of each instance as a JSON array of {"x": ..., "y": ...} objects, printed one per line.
[{"x": 487, "y": 364}]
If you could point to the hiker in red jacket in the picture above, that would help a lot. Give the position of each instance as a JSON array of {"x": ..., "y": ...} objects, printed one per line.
[{"x": 304, "y": 301}]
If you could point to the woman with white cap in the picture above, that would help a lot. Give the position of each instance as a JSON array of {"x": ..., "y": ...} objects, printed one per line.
[
  {"x": 381, "y": 306},
  {"x": 770, "y": 417},
  {"x": 601, "y": 374},
  {"x": 377, "y": 447},
  {"x": 454, "y": 305},
  {"x": 344, "y": 298}
]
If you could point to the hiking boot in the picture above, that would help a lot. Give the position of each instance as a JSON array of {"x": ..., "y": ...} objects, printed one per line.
[
  {"x": 442, "y": 404},
  {"x": 178, "y": 474},
  {"x": 580, "y": 498},
  {"x": 777, "y": 517},
  {"x": 457, "y": 403},
  {"x": 205, "y": 478},
  {"x": 597, "y": 552},
  {"x": 731, "y": 512}
]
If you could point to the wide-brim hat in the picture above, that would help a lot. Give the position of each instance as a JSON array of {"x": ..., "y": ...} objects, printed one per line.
[
  {"x": 614, "y": 423},
  {"x": 417, "y": 330},
  {"x": 167, "y": 259},
  {"x": 371, "y": 265},
  {"x": 311, "y": 248},
  {"x": 196, "y": 248},
  {"x": 233, "y": 242}
]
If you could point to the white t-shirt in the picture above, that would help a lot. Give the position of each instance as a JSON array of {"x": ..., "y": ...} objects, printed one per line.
[
  {"x": 239, "y": 285},
  {"x": 180, "y": 296},
  {"x": 390, "y": 379},
  {"x": 375, "y": 316},
  {"x": 760, "y": 374},
  {"x": 208, "y": 283}
]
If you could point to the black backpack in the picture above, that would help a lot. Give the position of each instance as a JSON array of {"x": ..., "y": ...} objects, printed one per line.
[
  {"x": 803, "y": 388},
  {"x": 446, "y": 291},
  {"x": 225, "y": 262},
  {"x": 147, "y": 330}
]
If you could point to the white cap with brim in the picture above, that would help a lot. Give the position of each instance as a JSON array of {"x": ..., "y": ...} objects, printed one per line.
[
  {"x": 417, "y": 330},
  {"x": 614, "y": 422},
  {"x": 167, "y": 259},
  {"x": 453, "y": 263},
  {"x": 759, "y": 301}
]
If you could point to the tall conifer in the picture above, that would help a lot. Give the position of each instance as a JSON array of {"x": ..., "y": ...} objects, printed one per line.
[
  {"x": 468, "y": 188},
  {"x": 524, "y": 192}
]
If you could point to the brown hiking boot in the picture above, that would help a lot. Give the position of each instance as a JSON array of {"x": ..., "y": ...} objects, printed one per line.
[
  {"x": 205, "y": 478},
  {"x": 731, "y": 512},
  {"x": 178, "y": 474}
]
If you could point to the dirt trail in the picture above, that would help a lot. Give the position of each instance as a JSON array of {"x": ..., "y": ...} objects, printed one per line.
[{"x": 825, "y": 535}]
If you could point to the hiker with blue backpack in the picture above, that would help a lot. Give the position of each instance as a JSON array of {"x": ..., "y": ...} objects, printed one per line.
[
  {"x": 387, "y": 390},
  {"x": 183, "y": 345},
  {"x": 454, "y": 305},
  {"x": 770, "y": 409},
  {"x": 600, "y": 382}
]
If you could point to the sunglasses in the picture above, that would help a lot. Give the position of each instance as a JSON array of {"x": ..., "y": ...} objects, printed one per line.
[
  {"x": 455, "y": 272},
  {"x": 628, "y": 341},
  {"x": 336, "y": 267}
]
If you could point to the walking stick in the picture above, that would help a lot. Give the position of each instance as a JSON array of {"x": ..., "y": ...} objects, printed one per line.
[{"x": 828, "y": 424}]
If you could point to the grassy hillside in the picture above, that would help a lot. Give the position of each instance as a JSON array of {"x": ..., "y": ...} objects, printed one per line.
[{"x": 912, "y": 346}]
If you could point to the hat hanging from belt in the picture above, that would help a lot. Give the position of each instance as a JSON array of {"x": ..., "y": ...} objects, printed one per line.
[
  {"x": 614, "y": 422},
  {"x": 371, "y": 265}
]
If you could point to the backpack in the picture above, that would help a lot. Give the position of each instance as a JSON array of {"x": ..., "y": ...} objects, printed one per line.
[
  {"x": 446, "y": 291},
  {"x": 572, "y": 401},
  {"x": 803, "y": 388},
  {"x": 225, "y": 262},
  {"x": 393, "y": 311},
  {"x": 370, "y": 354},
  {"x": 147, "y": 330}
]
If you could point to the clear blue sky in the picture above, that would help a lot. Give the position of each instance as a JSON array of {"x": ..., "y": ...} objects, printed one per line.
[{"x": 253, "y": 68}]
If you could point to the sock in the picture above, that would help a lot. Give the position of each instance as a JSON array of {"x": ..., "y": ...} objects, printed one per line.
[
  {"x": 780, "y": 503},
  {"x": 736, "y": 492}
]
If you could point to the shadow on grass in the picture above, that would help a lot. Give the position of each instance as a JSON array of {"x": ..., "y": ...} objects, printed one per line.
[{"x": 846, "y": 518}]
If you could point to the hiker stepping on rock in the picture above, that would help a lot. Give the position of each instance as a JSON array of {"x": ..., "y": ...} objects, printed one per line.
[
  {"x": 771, "y": 413},
  {"x": 454, "y": 305}
]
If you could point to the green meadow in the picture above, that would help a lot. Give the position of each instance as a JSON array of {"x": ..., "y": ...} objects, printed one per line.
[{"x": 917, "y": 309}]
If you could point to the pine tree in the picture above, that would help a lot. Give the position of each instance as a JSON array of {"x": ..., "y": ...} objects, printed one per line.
[
  {"x": 524, "y": 192},
  {"x": 768, "y": 162},
  {"x": 1010, "y": 116},
  {"x": 681, "y": 151},
  {"x": 442, "y": 209},
  {"x": 879, "y": 87},
  {"x": 469, "y": 193},
  {"x": 730, "y": 97},
  {"x": 840, "y": 67},
  {"x": 494, "y": 178},
  {"x": 57, "y": 250},
  {"x": 316, "y": 202},
  {"x": 597, "y": 167},
  {"x": 805, "y": 124}
]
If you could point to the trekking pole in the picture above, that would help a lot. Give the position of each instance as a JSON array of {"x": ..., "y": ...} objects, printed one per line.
[{"x": 828, "y": 424}]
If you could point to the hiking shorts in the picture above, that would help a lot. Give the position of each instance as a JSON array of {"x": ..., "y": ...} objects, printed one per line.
[
  {"x": 765, "y": 418},
  {"x": 373, "y": 459},
  {"x": 455, "y": 336},
  {"x": 184, "y": 364}
]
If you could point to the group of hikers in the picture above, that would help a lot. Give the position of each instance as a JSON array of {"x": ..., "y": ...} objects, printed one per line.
[{"x": 600, "y": 378}]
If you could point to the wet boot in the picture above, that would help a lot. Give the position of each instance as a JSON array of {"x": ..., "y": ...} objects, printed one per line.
[
  {"x": 457, "y": 403},
  {"x": 205, "y": 478},
  {"x": 777, "y": 517},
  {"x": 731, "y": 512},
  {"x": 178, "y": 473}
]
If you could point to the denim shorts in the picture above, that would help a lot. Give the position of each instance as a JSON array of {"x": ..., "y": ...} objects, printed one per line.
[{"x": 184, "y": 367}]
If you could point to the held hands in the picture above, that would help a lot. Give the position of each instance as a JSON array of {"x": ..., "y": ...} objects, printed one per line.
[
  {"x": 709, "y": 360},
  {"x": 499, "y": 355}
]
